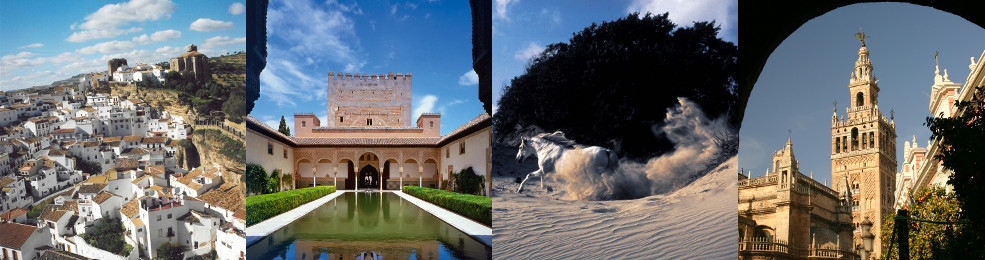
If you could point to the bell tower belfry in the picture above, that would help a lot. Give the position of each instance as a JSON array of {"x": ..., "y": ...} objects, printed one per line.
[{"x": 863, "y": 150}]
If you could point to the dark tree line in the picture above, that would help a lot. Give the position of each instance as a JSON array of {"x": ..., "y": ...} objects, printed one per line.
[{"x": 611, "y": 83}]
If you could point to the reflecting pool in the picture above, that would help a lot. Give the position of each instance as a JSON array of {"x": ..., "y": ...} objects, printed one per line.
[{"x": 368, "y": 225}]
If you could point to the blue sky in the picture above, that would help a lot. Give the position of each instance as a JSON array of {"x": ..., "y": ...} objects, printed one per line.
[
  {"x": 811, "y": 69},
  {"x": 308, "y": 39},
  {"x": 45, "y": 42},
  {"x": 522, "y": 28}
]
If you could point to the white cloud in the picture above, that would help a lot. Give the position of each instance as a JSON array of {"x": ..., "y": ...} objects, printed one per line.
[
  {"x": 501, "y": 6},
  {"x": 441, "y": 109},
  {"x": 104, "y": 22},
  {"x": 222, "y": 41},
  {"x": 553, "y": 15},
  {"x": 33, "y": 45},
  {"x": 107, "y": 47},
  {"x": 425, "y": 105},
  {"x": 469, "y": 78},
  {"x": 165, "y": 35},
  {"x": 236, "y": 8},
  {"x": 87, "y": 35},
  {"x": 157, "y": 37},
  {"x": 64, "y": 57},
  {"x": 314, "y": 30},
  {"x": 686, "y": 12},
  {"x": 169, "y": 50},
  {"x": 209, "y": 25},
  {"x": 20, "y": 60},
  {"x": 276, "y": 88},
  {"x": 531, "y": 51}
]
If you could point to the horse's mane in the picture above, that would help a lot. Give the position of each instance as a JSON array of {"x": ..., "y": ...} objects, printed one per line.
[{"x": 558, "y": 138}]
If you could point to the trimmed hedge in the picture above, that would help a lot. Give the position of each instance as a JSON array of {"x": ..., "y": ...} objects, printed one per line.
[
  {"x": 478, "y": 208},
  {"x": 263, "y": 207}
]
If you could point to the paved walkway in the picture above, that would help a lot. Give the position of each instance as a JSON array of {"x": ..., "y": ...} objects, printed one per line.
[
  {"x": 478, "y": 231},
  {"x": 260, "y": 230}
]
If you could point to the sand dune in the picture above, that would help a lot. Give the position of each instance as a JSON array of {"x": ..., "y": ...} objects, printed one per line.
[{"x": 694, "y": 222}]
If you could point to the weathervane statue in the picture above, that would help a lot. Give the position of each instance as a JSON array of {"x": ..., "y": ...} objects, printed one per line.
[{"x": 861, "y": 36}]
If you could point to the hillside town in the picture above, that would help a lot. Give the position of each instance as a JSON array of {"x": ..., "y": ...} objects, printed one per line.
[{"x": 74, "y": 160}]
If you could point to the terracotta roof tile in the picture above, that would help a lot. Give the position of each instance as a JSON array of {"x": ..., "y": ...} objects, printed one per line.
[
  {"x": 131, "y": 208},
  {"x": 58, "y": 254},
  {"x": 53, "y": 215},
  {"x": 15, "y": 234},
  {"x": 102, "y": 197},
  {"x": 476, "y": 123},
  {"x": 4, "y": 181},
  {"x": 12, "y": 214},
  {"x": 112, "y": 139},
  {"x": 126, "y": 163},
  {"x": 228, "y": 196},
  {"x": 91, "y": 188},
  {"x": 132, "y": 138},
  {"x": 154, "y": 140},
  {"x": 154, "y": 169}
]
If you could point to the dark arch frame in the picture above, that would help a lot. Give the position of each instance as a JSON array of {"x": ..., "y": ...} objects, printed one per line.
[{"x": 763, "y": 28}]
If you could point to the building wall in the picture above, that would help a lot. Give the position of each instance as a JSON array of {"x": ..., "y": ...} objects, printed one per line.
[
  {"x": 257, "y": 154},
  {"x": 353, "y": 100},
  {"x": 477, "y": 154}
]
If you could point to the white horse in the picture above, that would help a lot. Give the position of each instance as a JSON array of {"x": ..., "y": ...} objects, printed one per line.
[{"x": 550, "y": 148}]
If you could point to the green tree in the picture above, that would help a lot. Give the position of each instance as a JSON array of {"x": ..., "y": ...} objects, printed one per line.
[
  {"x": 962, "y": 138},
  {"x": 467, "y": 182},
  {"x": 273, "y": 182},
  {"x": 108, "y": 235},
  {"x": 928, "y": 240},
  {"x": 235, "y": 105},
  {"x": 92, "y": 168},
  {"x": 168, "y": 251},
  {"x": 36, "y": 210},
  {"x": 283, "y": 127},
  {"x": 287, "y": 181},
  {"x": 612, "y": 82},
  {"x": 256, "y": 179}
]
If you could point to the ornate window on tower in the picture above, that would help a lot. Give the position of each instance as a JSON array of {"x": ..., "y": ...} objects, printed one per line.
[
  {"x": 303, "y": 124},
  {"x": 854, "y": 139},
  {"x": 859, "y": 99}
]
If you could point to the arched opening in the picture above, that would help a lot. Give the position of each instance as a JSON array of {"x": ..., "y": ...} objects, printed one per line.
[
  {"x": 430, "y": 173},
  {"x": 304, "y": 170},
  {"x": 764, "y": 232},
  {"x": 859, "y": 99},
  {"x": 764, "y": 30},
  {"x": 854, "y": 138},
  {"x": 369, "y": 177},
  {"x": 350, "y": 177},
  {"x": 323, "y": 173}
]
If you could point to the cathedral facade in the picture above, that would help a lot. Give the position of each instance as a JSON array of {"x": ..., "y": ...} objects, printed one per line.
[
  {"x": 369, "y": 141},
  {"x": 788, "y": 215},
  {"x": 863, "y": 151}
]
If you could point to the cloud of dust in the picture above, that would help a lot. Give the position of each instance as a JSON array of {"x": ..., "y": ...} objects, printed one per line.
[{"x": 695, "y": 152}]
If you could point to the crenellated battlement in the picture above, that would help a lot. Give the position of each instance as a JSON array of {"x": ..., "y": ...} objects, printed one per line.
[{"x": 369, "y": 76}]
